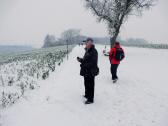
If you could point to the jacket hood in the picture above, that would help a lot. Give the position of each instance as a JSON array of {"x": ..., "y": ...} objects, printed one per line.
[{"x": 117, "y": 46}]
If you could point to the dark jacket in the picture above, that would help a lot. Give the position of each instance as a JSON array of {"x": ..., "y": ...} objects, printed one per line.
[{"x": 88, "y": 65}]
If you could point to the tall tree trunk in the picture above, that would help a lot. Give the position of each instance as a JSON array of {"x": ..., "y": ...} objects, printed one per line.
[
  {"x": 113, "y": 40},
  {"x": 114, "y": 37}
]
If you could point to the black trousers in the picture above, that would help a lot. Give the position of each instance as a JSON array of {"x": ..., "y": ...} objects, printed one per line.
[
  {"x": 89, "y": 83},
  {"x": 114, "y": 71}
]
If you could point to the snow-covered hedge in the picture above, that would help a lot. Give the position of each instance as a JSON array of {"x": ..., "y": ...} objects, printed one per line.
[{"x": 20, "y": 73}]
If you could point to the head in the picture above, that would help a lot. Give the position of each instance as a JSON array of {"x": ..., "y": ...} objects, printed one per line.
[
  {"x": 89, "y": 43},
  {"x": 117, "y": 43}
]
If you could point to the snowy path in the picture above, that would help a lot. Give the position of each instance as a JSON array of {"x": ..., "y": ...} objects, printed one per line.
[{"x": 139, "y": 99}]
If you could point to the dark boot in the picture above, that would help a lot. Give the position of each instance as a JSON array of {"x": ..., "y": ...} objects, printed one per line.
[{"x": 88, "y": 102}]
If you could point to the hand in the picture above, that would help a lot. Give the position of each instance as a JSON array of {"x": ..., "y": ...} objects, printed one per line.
[{"x": 78, "y": 59}]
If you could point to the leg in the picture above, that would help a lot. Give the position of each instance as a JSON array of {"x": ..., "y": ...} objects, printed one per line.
[
  {"x": 91, "y": 89},
  {"x": 86, "y": 87},
  {"x": 114, "y": 71}
]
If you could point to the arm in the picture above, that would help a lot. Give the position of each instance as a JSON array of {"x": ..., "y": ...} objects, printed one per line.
[{"x": 111, "y": 54}]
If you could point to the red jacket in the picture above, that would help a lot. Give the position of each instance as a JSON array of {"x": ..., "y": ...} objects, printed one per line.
[{"x": 113, "y": 53}]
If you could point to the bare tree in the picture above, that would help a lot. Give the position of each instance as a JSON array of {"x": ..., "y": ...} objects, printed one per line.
[
  {"x": 115, "y": 12},
  {"x": 69, "y": 37},
  {"x": 49, "y": 41}
]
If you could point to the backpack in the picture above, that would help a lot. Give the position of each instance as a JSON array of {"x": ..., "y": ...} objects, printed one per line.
[{"x": 119, "y": 54}]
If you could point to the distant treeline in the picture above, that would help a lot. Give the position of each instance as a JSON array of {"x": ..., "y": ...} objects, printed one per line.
[
  {"x": 51, "y": 41},
  {"x": 155, "y": 46},
  {"x": 132, "y": 43},
  {"x": 72, "y": 36}
]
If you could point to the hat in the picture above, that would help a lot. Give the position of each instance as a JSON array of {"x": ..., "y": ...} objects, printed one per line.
[
  {"x": 117, "y": 43},
  {"x": 89, "y": 39}
]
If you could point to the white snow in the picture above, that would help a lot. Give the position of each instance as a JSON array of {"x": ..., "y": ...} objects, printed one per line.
[{"x": 140, "y": 98}]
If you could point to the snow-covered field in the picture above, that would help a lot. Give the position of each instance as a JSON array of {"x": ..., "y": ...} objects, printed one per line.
[
  {"x": 140, "y": 98},
  {"x": 20, "y": 71}
]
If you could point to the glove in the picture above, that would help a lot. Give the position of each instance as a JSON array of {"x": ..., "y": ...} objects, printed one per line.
[{"x": 79, "y": 59}]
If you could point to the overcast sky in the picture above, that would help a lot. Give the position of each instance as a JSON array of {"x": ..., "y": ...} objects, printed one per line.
[{"x": 28, "y": 21}]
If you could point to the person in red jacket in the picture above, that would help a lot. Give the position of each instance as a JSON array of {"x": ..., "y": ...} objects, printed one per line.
[{"x": 115, "y": 56}]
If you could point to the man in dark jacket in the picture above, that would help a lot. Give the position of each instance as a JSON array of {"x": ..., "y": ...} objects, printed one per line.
[
  {"x": 116, "y": 50},
  {"x": 89, "y": 70}
]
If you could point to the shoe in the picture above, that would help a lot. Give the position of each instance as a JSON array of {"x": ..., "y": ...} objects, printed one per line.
[
  {"x": 115, "y": 80},
  {"x": 88, "y": 102},
  {"x": 84, "y": 96}
]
